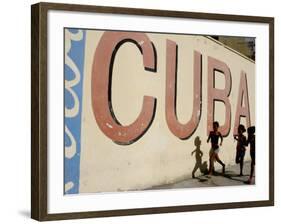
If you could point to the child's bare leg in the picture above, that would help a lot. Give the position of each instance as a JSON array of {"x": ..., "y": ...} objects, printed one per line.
[
  {"x": 220, "y": 162},
  {"x": 252, "y": 171},
  {"x": 241, "y": 167},
  {"x": 211, "y": 166}
]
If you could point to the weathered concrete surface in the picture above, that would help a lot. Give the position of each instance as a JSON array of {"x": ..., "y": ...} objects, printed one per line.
[
  {"x": 230, "y": 178},
  {"x": 159, "y": 156}
]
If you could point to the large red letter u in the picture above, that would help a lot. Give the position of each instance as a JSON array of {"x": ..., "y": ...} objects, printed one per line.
[{"x": 182, "y": 131}]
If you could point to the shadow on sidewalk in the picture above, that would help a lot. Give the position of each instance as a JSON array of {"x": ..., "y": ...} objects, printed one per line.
[{"x": 232, "y": 176}]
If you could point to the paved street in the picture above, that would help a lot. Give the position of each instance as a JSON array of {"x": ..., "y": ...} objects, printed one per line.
[{"x": 230, "y": 178}]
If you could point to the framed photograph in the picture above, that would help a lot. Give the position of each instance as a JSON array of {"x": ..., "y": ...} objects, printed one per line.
[{"x": 139, "y": 111}]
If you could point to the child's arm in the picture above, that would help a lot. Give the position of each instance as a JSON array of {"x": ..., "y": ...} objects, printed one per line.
[
  {"x": 250, "y": 139},
  {"x": 221, "y": 138},
  {"x": 245, "y": 141},
  {"x": 209, "y": 138}
]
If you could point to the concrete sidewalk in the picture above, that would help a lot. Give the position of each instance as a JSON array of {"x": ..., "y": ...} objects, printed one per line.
[{"x": 230, "y": 178}]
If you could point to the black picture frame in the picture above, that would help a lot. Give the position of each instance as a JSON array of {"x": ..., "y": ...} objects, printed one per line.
[{"x": 39, "y": 108}]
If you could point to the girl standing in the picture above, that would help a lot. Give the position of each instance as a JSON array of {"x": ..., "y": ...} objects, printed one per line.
[
  {"x": 252, "y": 141},
  {"x": 240, "y": 147}
]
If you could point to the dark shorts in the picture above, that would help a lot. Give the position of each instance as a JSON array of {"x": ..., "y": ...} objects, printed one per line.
[{"x": 240, "y": 154}]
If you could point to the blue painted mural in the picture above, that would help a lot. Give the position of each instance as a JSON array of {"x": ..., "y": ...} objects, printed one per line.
[{"x": 73, "y": 78}]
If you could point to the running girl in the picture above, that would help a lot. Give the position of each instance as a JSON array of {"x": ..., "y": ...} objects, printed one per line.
[{"x": 214, "y": 136}]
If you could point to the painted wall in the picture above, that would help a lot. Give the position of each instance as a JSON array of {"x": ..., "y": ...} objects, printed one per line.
[{"x": 158, "y": 157}]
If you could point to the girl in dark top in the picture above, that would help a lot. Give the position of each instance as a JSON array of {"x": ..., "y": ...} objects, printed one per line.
[
  {"x": 252, "y": 141},
  {"x": 240, "y": 147},
  {"x": 214, "y": 136}
]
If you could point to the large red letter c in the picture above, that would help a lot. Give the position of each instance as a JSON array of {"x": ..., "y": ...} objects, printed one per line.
[{"x": 102, "y": 66}]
